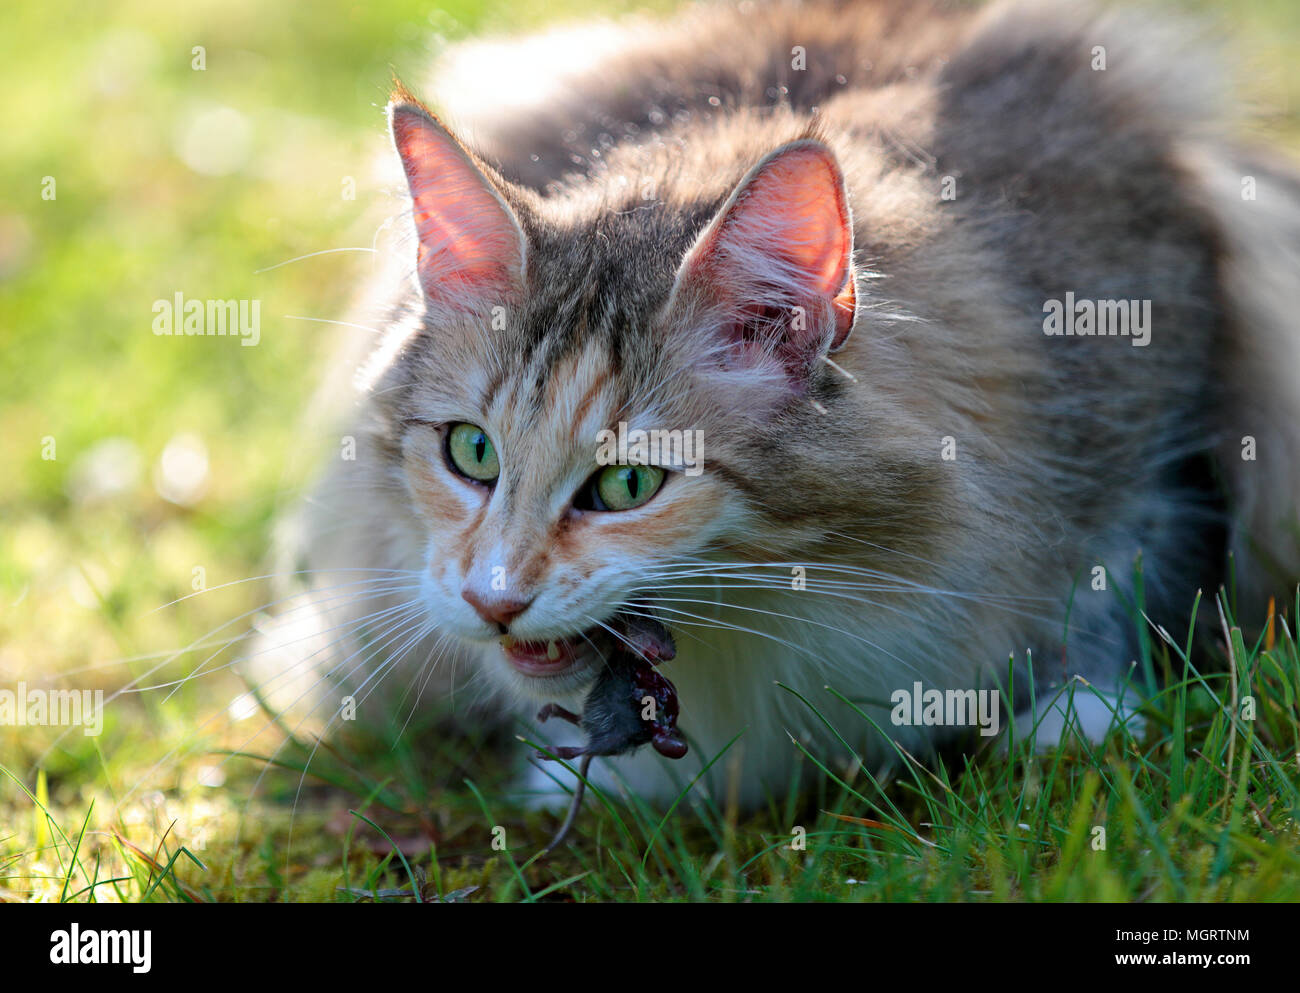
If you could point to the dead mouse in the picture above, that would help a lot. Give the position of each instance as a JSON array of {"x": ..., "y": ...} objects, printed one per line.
[{"x": 631, "y": 704}]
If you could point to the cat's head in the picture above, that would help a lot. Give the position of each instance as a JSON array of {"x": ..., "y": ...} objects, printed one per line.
[{"x": 545, "y": 323}]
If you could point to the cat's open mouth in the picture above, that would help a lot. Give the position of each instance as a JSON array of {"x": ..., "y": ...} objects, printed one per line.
[
  {"x": 639, "y": 632},
  {"x": 545, "y": 658}
]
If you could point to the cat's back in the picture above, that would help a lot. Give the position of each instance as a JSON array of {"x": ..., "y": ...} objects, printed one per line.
[
  {"x": 551, "y": 106},
  {"x": 557, "y": 103}
]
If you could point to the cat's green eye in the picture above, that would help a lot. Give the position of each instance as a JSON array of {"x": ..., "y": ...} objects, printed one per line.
[
  {"x": 622, "y": 487},
  {"x": 471, "y": 453}
]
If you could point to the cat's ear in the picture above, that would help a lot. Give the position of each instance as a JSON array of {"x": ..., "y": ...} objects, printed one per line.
[
  {"x": 775, "y": 266},
  {"x": 471, "y": 246}
]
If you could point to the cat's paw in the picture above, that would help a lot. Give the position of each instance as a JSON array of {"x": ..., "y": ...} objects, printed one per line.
[
  {"x": 1078, "y": 711},
  {"x": 543, "y": 785},
  {"x": 645, "y": 776}
]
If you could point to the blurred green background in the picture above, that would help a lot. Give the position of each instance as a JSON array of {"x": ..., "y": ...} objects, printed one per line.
[
  {"x": 134, "y": 465},
  {"x": 173, "y": 454},
  {"x": 171, "y": 179}
]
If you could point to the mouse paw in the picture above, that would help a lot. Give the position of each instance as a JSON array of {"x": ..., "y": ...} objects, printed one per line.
[{"x": 555, "y": 710}]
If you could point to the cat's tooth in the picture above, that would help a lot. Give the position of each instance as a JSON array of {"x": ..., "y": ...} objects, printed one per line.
[
  {"x": 507, "y": 641},
  {"x": 552, "y": 651}
]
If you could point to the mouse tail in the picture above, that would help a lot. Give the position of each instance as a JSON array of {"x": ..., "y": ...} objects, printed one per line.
[{"x": 574, "y": 806}]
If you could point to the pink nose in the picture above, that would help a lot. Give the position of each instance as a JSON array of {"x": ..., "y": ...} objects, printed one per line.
[{"x": 496, "y": 611}]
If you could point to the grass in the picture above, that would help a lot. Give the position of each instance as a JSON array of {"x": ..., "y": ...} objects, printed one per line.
[
  {"x": 1203, "y": 807},
  {"x": 175, "y": 801}
]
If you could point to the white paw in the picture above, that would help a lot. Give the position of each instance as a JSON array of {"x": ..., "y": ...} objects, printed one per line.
[
  {"x": 1077, "y": 710},
  {"x": 544, "y": 785}
]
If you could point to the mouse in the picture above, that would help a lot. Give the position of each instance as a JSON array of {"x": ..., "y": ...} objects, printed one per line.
[{"x": 631, "y": 704}]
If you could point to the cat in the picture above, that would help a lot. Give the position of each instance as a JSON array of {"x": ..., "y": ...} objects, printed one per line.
[{"x": 834, "y": 243}]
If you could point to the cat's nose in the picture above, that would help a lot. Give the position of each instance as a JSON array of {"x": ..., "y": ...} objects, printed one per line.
[{"x": 495, "y": 610}]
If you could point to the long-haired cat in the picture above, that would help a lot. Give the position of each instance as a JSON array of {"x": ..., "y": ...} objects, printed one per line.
[{"x": 968, "y": 311}]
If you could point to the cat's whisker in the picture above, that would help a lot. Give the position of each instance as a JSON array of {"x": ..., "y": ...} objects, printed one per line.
[
  {"x": 841, "y": 590},
  {"x": 390, "y": 663},
  {"x": 440, "y": 649},
  {"x": 327, "y": 320},
  {"x": 661, "y": 603},
  {"x": 394, "y": 388},
  {"x": 603, "y": 657},
  {"x": 393, "y": 631},
  {"x": 310, "y": 255},
  {"x": 823, "y": 586},
  {"x": 784, "y": 589},
  {"x": 395, "y": 620},
  {"x": 289, "y": 671},
  {"x": 686, "y": 617},
  {"x": 638, "y": 607},
  {"x": 795, "y": 617},
  {"x": 147, "y": 656},
  {"x": 313, "y": 605},
  {"x": 168, "y": 658},
  {"x": 284, "y": 575},
  {"x": 839, "y": 368},
  {"x": 897, "y": 581},
  {"x": 291, "y": 734},
  {"x": 1005, "y": 603},
  {"x": 882, "y": 584},
  {"x": 347, "y": 629}
]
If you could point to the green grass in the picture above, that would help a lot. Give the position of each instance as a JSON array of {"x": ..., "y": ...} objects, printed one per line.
[
  {"x": 103, "y": 99},
  {"x": 1203, "y": 807}
]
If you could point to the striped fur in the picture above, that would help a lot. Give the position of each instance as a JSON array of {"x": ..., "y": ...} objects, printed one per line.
[{"x": 1070, "y": 452}]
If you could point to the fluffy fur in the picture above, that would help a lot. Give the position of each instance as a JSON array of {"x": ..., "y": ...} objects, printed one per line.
[{"x": 1071, "y": 452}]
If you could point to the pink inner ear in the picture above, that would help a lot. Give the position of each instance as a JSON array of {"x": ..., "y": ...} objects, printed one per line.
[
  {"x": 789, "y": 226},
  {"x": 783, "y": 243},
  {"x": 794, "y": 209},
  {"x": 469, "y": 239}
]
